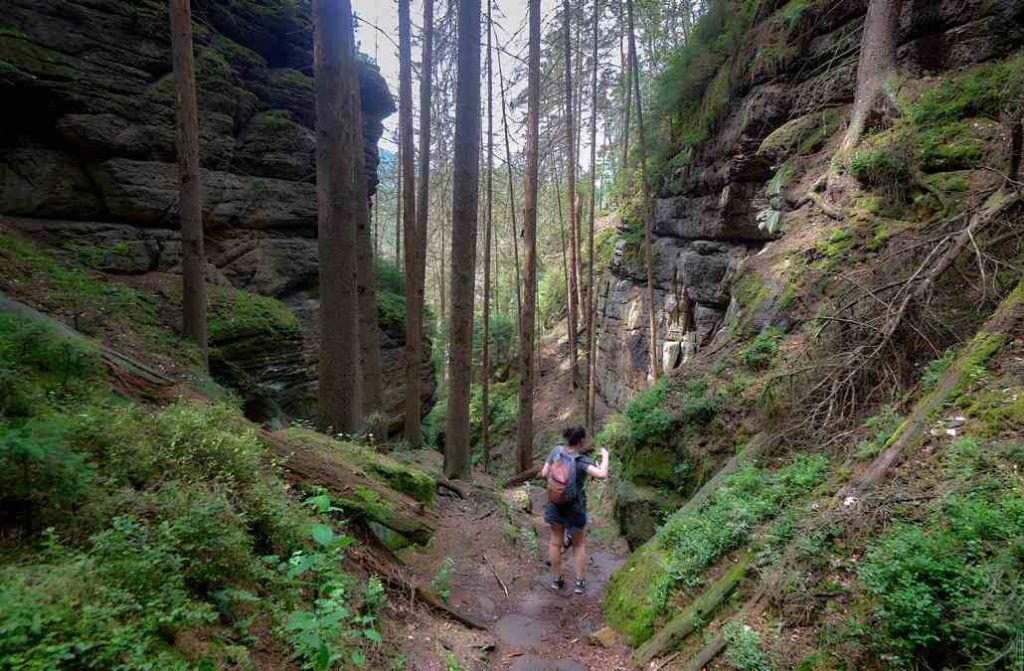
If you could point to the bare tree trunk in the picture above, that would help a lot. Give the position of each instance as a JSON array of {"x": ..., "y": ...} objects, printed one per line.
[
  {"x": 561, "y": 227},
  {"x": 413, "y": 326},
  {"x": 591, "y": 303},
  {"x": 652, "y": 324},
  {"x": 464, "y": 219},
  {"x": 511, "y": 190},
  {"x": 626, "y": 72},
  {"x": 570, "y": 143},
  {"x": 485, "y": 360},
  {"x": 369, "y": 331},
  {"x": 524, "y": 431},
  {"x": 398, "y": 209},
  {"x": 340, "y": 395},
  {"x": 876, "y": 66},
  {"x": 190, "y": 186}
]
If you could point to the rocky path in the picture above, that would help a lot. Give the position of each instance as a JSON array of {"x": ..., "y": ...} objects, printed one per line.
[{"x": 493, "y": 547}]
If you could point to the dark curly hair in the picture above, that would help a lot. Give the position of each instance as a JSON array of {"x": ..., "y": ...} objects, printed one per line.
[{"x": 574, "y": 435}]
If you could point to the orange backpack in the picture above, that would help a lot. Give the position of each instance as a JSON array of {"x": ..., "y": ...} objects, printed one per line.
[{"x": 562, "y": 477}]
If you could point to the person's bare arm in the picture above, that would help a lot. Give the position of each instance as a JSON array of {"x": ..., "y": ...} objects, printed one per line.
[
  {"x": 544, "y": 470},
  {"x": 600, "y": 471}
]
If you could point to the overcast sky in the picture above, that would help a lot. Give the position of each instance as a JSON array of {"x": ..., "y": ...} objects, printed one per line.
[{"x": 383, "y": 44}]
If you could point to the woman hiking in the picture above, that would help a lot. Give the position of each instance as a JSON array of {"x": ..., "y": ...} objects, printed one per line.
[{"x": 566, "y": 470}]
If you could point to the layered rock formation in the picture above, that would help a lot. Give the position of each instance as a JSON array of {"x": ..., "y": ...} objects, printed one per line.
[
  {"x": 726, "y": 202},
  {"x": 87, "y": 149}
]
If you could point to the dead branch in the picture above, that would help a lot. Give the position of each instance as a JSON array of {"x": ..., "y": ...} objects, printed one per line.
[{"x": 504, "y": 588}]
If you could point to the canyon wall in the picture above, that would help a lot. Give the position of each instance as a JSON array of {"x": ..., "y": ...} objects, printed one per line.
[{"x": 87, "y": 154}]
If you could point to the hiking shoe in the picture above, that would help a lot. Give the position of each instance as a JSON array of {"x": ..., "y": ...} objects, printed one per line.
[
  {"x": 581, "y": 587},
  {"x": 558, "y": 583}
]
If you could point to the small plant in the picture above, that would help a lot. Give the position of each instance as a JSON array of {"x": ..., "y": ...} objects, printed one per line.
[
  {"x": 760, "y": 354},
  {"x": 442, "y": 582},
  {"x": 881, "y": 426},
  {"x": 744, "y": 648}
]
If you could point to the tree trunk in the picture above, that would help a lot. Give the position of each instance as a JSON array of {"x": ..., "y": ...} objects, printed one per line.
[
  {"x": 524, "y": 432},
  {"x": 464, "y": 219},
  {"x": 190, "y": 186},
  {"x": 369, "y": 331},
  {"x": 876, "y": 66},
  {"x": 485, "y": 359},
  {"x": 561, "y": 229},
  {"x": 570, "y": 143},
  {"x": 423, "y": 206},
  {"x": 340, "y": 394},
  {"x": 398, "y": 208},
  {"x": 626, "y": 71},
  {"x": 511, "y": 191},
  {"x": 413, "y": 326},
  {"x": 652, "y": 323},
  {"x": 591, "y": 303}
]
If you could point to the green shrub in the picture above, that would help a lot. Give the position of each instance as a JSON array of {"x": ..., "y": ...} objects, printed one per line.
[
  {"x": 745, "y": 499},
  {"x": 744, "y": 648},
  {"x": 208, "y": 444},
  {"x": 42, "y": 368},
  {"x": 885, "y": 166},
  {"x": 115, "y": 611},
  {"x": 949, "y": 591},
  {"x": 881, "y": 426},
  {"x": 761, "y": 353},
  {"x": 41, "y": 476}
]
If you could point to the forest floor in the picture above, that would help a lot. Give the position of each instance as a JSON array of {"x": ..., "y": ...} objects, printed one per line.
[{"x": 496, "y": 540}]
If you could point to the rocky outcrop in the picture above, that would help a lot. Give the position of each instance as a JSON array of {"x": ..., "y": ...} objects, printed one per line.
[
  {"x": 87, "y": 147},
  {"x": 725, "y": 201}
]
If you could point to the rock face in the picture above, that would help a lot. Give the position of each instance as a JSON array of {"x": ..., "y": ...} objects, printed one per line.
[
  {"x": 726, "y": 202},
  {"x": 87, "y": 146}
]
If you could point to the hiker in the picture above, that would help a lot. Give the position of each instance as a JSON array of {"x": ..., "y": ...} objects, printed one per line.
[{"x": 566, "y": 470}]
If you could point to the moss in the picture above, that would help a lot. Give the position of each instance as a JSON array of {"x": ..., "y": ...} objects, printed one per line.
[
  {"x": 400, "y": 477},
  {"x": 21, "y": 52},
  {"x": 881, "y": 165},
  {"x": 953, "y": 146},
  {"x": 635, "y": 595},
  {"x": 234, "y": 313},
  {"x": 978, "y": 93},
  {"x": 70, "y": 289},
  {"x": 804, "y": 135},
  {"x": 949, "y": 182}
]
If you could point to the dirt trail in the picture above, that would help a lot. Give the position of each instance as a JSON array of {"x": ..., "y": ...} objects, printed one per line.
[{"x": 495, "y": 540}]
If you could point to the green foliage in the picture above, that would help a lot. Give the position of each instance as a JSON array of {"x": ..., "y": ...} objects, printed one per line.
[
  {"x": 604, "y": 247},
  {"x": 949, "y": 588},
  {"x": 880, "y": 167},
  {"x": 762, "y": 351},
  {"x": 881, "y": 427},
  {"x": 501, "y": 336},
  {"x": 441, "y": 583},
  {"x": 71, "y": 289},
  {"x": 41, "y": 477},
  {"x": 42, "y": 368},
  {"x": 745, "y": 499},
  {"x": 551, "y": 296},
  {"x": 744, "y": 648},
  {"x": 112, "y": 607},
  {"x": 686, "y": 545}
]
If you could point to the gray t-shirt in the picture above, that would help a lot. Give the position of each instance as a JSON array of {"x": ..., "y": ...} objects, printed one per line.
[{"x": 579, "y": 504}]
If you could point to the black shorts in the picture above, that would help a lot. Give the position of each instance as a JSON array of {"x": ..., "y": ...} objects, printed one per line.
[{"x": 565, "y": 516}]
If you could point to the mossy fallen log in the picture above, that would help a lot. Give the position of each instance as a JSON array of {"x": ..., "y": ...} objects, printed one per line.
[
  {"x": 694, "y": 616},
  {"x": 351, "y": 486},
  {"x": 633, "y": 600}
]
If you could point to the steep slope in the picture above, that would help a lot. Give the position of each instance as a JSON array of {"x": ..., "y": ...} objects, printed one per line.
[{"x": 832, "y": 479}]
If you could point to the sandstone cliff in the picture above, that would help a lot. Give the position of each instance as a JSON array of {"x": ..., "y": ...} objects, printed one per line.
[
  {"x": 87, "y": 151},
  {"x": 725, "y": 198}
]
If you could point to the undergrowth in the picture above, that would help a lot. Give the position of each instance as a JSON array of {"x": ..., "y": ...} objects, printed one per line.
[{"x": 129, "y": 527}]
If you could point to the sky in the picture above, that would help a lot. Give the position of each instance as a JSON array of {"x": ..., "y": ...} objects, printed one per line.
[{"x": 382, "y": 44}]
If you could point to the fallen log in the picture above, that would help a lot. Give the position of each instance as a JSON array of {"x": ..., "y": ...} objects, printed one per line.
[
  {"x": 529, "y": 474},
  {"x": 396, "y": 581},
  {"x": 357, "y": 493},
  {"x": 695, "y": 615}
]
